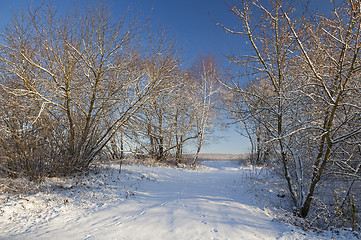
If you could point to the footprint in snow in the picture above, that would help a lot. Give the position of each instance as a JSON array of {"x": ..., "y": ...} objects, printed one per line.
[{"x": 215, "y": 230}]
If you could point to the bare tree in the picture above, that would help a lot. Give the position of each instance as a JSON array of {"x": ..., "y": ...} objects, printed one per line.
[
  {"x": 311, "y": 71},
  {"x": 208, "y": 75},
  {"x": 169, "y": 120},
  {"x": 333, "y": 66},
  {"x": 77, "y": 68},
  {"x": 269, "y": 105}
]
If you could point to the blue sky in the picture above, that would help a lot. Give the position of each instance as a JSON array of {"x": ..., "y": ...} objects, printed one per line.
[{"x": 192, "y": 24}]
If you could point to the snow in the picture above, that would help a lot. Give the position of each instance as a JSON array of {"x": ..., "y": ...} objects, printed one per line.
[{"x": 217, "y": 201}]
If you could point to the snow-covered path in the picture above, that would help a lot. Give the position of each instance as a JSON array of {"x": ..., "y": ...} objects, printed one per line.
[
  {"x": 182, "y": 205},
  {"x": 177, "y": 204}
]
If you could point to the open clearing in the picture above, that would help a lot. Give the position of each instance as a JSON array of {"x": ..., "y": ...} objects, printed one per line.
[{"x": 219, "y": 201}]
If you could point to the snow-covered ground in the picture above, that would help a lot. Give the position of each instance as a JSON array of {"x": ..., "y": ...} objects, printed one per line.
[{"x": 220, "y": 201}]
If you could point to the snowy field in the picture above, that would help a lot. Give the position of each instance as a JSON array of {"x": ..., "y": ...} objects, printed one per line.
[{"x": 218, "y": 201}]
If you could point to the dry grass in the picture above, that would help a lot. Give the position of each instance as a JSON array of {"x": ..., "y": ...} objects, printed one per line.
[{"x": 222, "y": 157}]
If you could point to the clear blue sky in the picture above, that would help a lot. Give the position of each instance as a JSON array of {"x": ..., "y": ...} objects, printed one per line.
[{"x": 190, "y": 21}]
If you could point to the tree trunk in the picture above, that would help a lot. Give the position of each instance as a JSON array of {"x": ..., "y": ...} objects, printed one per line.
[
  {"x": 121, "y": 146},
  {"x": 198, "y": 150},
  {"x": 179, "y": 151}
]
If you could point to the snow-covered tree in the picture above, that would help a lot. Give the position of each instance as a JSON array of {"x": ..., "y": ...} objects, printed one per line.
[
  {"x": 75, "y": 71},
  {"x": 305, "y": 93}
]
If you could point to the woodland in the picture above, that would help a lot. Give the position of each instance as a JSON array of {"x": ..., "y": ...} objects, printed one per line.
[{"x": 81, "y": 87}]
